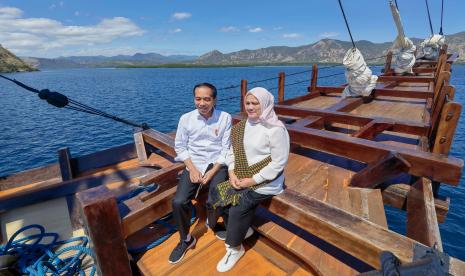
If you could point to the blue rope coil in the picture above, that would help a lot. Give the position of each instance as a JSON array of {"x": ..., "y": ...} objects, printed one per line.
[{"x": 36, "y": 257}]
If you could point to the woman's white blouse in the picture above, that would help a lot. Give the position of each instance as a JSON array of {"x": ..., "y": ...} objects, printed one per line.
[{"x": 259, "y": 143}]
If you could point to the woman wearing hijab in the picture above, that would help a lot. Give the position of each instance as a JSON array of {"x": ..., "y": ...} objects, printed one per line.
[{"x": 256, "y": 161}]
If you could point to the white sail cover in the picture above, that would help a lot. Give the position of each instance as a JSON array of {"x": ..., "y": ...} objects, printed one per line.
[
  {"x": 432, "y": 45},
  {"x": 359, "y": 76},
  {"x": 403, "y": 50}
]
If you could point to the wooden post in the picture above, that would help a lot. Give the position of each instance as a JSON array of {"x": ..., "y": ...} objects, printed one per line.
[
  {"x": 67, "y": 173},
  {"x": 314, "y": 81},
  {"x": 243, "y": 92},
  {"x": 103, "y": 224},
  {"x": 446, "y": 127},
  {"x": 282, "y": 77},
  {"x": 387, "y": 65},
  {"x": 422, "y": 224},
  {"x": 140, "y": 147}
]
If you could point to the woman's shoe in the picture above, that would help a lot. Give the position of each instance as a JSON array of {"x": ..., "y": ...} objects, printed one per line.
[{"x": 230, "y": 259}]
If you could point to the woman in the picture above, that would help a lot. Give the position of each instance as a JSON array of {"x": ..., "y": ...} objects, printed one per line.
[{"x": 259, "y": 153}]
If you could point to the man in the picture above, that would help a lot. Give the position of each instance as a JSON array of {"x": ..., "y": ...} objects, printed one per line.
[{"x": 202, "y": 142}]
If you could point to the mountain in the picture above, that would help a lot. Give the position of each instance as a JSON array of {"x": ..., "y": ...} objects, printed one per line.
[
  {"x": 323, "y": 51},
  {"x": 11, "y": 63},
  {"x": 103, "y": 61}
]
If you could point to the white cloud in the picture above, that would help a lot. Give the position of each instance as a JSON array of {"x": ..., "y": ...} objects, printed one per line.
[
  {"x": 229, "y": 29},
  {"x": 279, "y": 28},
  {"x": 76, "y": 13},
  {"x": 177, "y": 30},
  {"x": 10, "y": 12},
  {"x": 34, "y": 35},
  {"x": 180, "y": 15},
  {"x": 62, "y": 3},
  {"x": 292, "y": 35},
  {"x": 328, "y": 34},
  {"x": 255, "y": 30}
]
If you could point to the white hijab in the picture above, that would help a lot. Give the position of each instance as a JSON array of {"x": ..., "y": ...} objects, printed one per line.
[{"x": 268, "y": 118}]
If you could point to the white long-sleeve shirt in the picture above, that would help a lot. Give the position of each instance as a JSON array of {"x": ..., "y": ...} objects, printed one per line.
[
  {"x": 203, "y": 141},
  {"x": 259, "y": 143}
]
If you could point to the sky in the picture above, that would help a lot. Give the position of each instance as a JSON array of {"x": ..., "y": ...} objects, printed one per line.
[{"x": 102, "y": 27}]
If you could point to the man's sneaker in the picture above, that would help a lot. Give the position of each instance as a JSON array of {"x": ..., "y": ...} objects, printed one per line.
[
  {"x": 180, "y": 250},
  {"x": 230, "y": 258},
  {"x": 221, "y": 235}
]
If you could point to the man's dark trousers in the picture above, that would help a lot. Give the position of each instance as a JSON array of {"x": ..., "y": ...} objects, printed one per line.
[{"x": 182, "y": 201}]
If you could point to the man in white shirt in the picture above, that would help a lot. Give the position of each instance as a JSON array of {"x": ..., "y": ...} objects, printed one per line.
[{"x": 202, "y": 142}]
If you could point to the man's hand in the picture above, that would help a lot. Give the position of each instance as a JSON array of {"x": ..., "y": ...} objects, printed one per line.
[
  {"x": 234, "y": 180},
  {"x": 195, "y": 175},
  {"x": 247, "y": 182}
]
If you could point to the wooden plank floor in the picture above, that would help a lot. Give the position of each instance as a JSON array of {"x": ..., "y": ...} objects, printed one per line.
[
  {"x": 203, "y": 258},
  {"x": 320, "y": 102},
  {"x": 393, "y": 108}
]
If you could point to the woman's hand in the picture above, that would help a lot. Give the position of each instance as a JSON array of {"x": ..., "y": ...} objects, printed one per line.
[
  {"x": 247, "y": 182},
  {"x": 234, "y": 180}
]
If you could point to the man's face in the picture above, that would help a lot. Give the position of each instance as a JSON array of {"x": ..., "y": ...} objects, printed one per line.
[{"x": 204, "y": 100}]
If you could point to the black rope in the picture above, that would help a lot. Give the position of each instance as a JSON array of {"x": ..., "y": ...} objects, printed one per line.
[
  {"x": 347, "y": 24},
  {"x": 397, "y": 7},
  {"x": 59, "y": 100},
  {"x": 442, "y": 12},
  {"x": 429, "y": 18}
]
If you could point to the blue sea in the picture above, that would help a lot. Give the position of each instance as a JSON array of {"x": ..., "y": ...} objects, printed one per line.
[{"x": 32, "y": 131}]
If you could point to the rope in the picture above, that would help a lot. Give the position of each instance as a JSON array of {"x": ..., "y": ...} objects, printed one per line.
[
  {"x": 429, "y": 18},
  {"x": 347, "y": 24},
  {"x": 397, "y": 7},
  {"x": 36, "y": 257},
  {"x": 59, "y": 100},
  {"x": 442, "y": 12}
]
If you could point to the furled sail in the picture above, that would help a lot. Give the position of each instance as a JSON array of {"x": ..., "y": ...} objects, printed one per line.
[
  {"x": 431, "y": 46},
  {"x": 403, "y": 49},
  {"x": 359, "y": 76}
]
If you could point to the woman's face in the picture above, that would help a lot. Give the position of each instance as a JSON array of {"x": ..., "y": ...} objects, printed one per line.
[{"x": 252, "y": 107}]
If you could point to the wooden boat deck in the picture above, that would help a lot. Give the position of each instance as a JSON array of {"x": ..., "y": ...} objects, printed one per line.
[{"x": 343, "y": 153}]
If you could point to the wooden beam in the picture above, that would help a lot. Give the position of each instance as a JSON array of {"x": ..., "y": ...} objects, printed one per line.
[
  {"x": 379, "y": 171},
  {"x": 404, "y": 126},
  {"x": 163, "y": 177},
  {"x": 437, "y": 108},
  {"x": 243, "y": 92},
  {"x": 105, "y": 158},
  {"x": 395, "y": 195},
  {"x": 354, "y": 235},
  {"x": 160, "y": 140},
  {"x": 301, "y": 98},
  {"x": 372, "y": 129},
  {"x": 282, "y": 77},
  {"x": 310, "y": 121},
  {"x": 434, "y": 166},
  {"x": 346, "y": 105},
  {"x": 34, "y": 193},
  {"x": 419, "y": 79},
  {"x": 104, "y": 227},
  {"x": 65, "y": 162},
  {"x": 152, "y": 209},
  {"x": 446, "y": 127},
  {"x": 422, "y": 224},
  {"x": 377, "y": 92}
]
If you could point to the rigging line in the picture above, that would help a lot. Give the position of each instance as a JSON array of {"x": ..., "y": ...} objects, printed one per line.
[
  {"x": 429, "y": 18},
  {"x": 347, "y": 24},
  {"x": 60, "y": 100},
  {"x": 22, "y": 85},
  {"x": 442, "y": 12},
  {"x": 397, "y": 7}
]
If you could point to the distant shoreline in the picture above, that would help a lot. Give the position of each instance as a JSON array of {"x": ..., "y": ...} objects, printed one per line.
[{"x": 183, "y": 65}]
